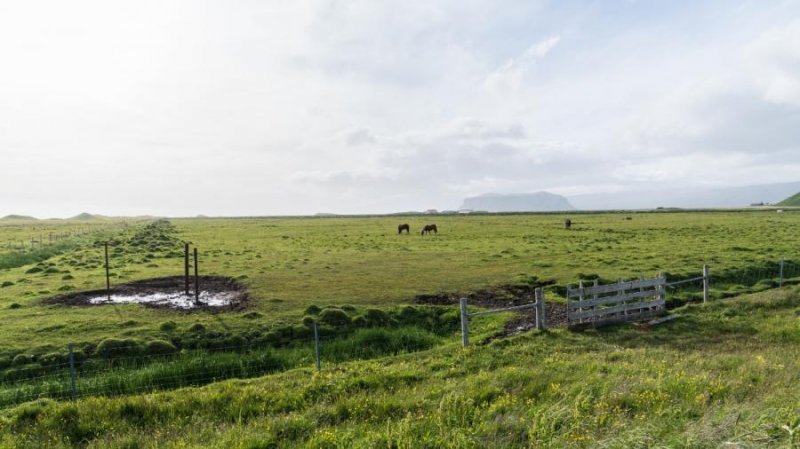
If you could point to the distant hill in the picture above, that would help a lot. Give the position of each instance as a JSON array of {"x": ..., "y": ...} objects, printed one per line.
[
  {"x": 85, "y": 216},
  {"x": 742, "y": 196},
  {"x": 518, "y": 202},
  {"x": 19, "y": 217},
  {"x": 792, "y": 201}
]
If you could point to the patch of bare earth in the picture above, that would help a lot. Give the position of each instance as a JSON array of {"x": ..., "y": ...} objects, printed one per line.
[
  {"x": 504, "y": 296},
  {"x": 235, "y": 294}
]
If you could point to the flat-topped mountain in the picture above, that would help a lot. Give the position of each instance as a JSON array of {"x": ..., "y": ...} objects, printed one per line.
[{"x": 518, "y": 202}]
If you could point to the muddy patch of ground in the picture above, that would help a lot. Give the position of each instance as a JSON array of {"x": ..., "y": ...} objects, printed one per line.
[
  {"x": 217, "y": 293},
  {"x": 505, "y": 296}
]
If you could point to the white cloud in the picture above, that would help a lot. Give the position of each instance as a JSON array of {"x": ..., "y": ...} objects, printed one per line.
[
  {"x": 511, "y": 75},
  {"x": 295, "y": 107}
]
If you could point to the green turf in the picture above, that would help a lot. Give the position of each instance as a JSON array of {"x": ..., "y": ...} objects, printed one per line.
[
  {"x": 792, "y": 201},
  {"x": 724, "y": 374},
  {"x": 291, "y": 263}
]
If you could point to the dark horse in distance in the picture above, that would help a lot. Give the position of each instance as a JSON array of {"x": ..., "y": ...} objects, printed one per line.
[
  {"x": 403, "y": 227},
  {"x": 428, "y": 229}
]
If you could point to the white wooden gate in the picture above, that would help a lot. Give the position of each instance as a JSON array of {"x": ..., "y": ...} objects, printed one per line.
[{"x": 622, "y": 301}]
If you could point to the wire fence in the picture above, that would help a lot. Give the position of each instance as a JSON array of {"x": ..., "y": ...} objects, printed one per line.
[
  {"x": 125, "y": 370},
  {"x": 129, "y": 374}
]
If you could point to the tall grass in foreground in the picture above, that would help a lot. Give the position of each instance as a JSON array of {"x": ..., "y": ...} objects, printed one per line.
[{"x": 191, "y": 368}]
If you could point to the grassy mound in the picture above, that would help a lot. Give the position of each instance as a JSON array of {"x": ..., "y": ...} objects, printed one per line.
[{"x": 792, "y": 201}]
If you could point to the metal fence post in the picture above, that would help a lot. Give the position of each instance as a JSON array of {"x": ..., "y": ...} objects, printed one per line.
[
  {"x": 780, "y": 282},
  {"x": 316, "y": 344},
  {"x": 108, "y": 274},
  {"x": 196, "y": 280},
  {"x": 464, "y": 322},
  {"x": 72, "y": 372},
  {"x": 540, "y": 313},
  {"x": 706, "y": 283}
]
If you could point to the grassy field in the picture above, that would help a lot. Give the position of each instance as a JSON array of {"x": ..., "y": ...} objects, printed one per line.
[
  {"x": 722, "y": 375},
  {"x": 289, "y": 264},
  {"x": 708, "y": 378}
]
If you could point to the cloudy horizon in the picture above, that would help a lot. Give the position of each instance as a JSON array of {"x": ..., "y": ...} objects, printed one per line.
[{"x": 287, "y": 108}]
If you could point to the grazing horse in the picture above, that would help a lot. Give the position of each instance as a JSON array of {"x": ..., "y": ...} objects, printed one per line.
[
  {"x": 567, "y": 223},
  {"x": 403, "y": 227},
  {"x": 428, "y": 229}
]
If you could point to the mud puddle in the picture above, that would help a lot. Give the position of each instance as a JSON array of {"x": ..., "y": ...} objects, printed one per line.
[{"x": 216, "y": 293}]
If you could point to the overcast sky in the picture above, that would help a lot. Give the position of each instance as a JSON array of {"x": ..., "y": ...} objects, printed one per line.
[{"x": 294, "y": 107}]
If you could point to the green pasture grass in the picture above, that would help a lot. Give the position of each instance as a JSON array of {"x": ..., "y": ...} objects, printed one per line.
[
  {"x": 724, "y": 374},
  {"x": 289, "y": 264},
  {"x": 132, "y": 374}
]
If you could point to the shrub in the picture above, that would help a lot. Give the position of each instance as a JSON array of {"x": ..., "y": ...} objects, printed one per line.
[
  {"x": 33, "y": 270},
  {"x": 159, "y": 347},
  {"x": 348, "y": 308},
  {"x": 408, "y": 314},
  {"x": 301, "y": 331},
  {"x": 6, "y": 284},
  {"x": 5, "y": 362},
  {"x": 334, "y": 317},
  {"x": 168, "y": 326},
  {"x": 116, "y": 347},
  {"x": 52, "y": 270},
  {"x": 197, "y": 327},
  {"x": 377, "y": 317},
  {"x": 309, "y": 321},
  {"x": 312, "y": 310},
  {"x": 67, "y": 277},
  {"x": 360, "y": 321},
  {"x": 14, "y": 305}
]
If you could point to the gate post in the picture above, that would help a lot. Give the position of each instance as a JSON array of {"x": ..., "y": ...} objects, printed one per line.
[
  {"x": 706, "y": 282},
  {"x": 540, "y": 314},
  {"x": 464, "y": 322}
]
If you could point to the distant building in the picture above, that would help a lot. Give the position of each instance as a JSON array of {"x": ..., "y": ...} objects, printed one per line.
[
  {"x": 756, "y": 204},
  {"x": 465, "y": 211}
]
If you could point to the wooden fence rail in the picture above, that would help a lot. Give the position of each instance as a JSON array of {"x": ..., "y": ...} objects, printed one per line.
[{"x": 622, "y": 301}]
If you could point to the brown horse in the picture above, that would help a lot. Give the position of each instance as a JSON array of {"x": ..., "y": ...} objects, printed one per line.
[
  {"x": 567, "y": 223},
  {"x": 428, "y": 229},
  {"x": 403, "y": 227}
]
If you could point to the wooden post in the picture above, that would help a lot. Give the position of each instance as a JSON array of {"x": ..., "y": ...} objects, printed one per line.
[
  {"x": 541, "y": 322},
  {"x": 464, "y": 322},
  {"x": 108, "y": 274},
  {"x": 196, "y": 280},
  {"x": 706, "y": 282},
  {"x": 780, "y": 282},
  {"x": 186, "y": 266}
]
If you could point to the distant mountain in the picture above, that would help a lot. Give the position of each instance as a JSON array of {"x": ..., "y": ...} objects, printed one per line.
[
  {"x": 686, "y": 198},
  {"x": 85, "y": 216},
  {"x": 518, "y": 202},
  {"x": 19, "y": 217},
  {"x": 792, "y": 201}
]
